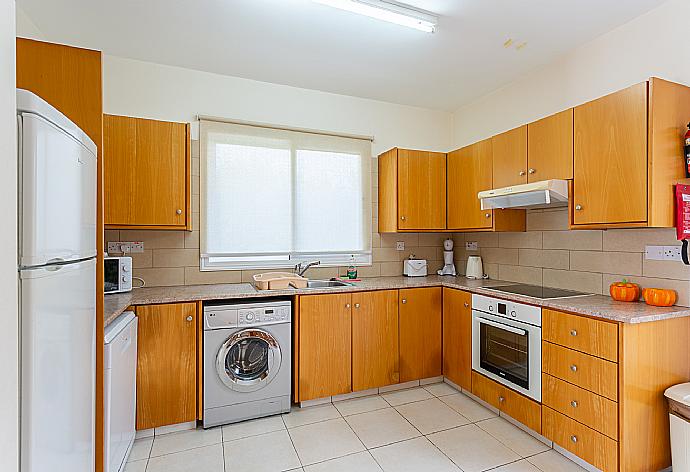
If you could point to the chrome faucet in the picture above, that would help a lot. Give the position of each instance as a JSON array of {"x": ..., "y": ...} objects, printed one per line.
[{"x": 300, "y": 269}]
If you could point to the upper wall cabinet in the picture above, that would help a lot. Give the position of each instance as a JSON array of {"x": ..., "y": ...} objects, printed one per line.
[
  {"x": 412, "y": 191},
  {"x": 470, "y": 172},
  {"x": 510, "y": 158},
  {"x": 628, "y": 156},
  {"x": 147, "y": 167},
  {"x": 550, "y": 147}
]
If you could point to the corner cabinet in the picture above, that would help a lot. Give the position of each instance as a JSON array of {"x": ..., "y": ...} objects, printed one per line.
[
  {"x": 628, "y": 156},
  {"x": 457, "y": 337},
  {"x": 470, "y": 172},
  {"x": 420, "y": 333},
  {"x": 167, "y": 364},
  {"x": 412, "y": 191},
  {"x": 147, "y": 173}
]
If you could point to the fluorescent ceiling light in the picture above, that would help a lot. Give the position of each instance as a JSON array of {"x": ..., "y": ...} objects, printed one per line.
[{"x": 391, "y": 12}]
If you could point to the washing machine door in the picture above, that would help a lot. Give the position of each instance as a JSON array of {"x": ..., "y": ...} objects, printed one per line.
[{"x": 248, "y": 360}]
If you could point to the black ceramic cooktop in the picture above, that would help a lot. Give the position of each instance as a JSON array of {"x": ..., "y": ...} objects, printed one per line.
[{"x": 537, "y": 291}]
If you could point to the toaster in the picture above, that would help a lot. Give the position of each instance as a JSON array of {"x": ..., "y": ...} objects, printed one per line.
[{"x": 414, "y": 267}]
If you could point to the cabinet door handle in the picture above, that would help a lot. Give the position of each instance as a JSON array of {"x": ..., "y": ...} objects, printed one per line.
[
  {"x": 501, "y": 399},
  {"x": 467, "y": 305},
  {"x": 190, "y": 318},
  {"x": 179, "y": 212},
  {"x": 522, "y": 172},
  {"x": 573, "y": 438},
  {"x": 532, "y": 171},
  {"x": 347, "y": 306},
  {"x": 573, "y": 403},
  {"x": 573, "y": 368},
  {"x": 404, "y": 300},
  {"x": 356, "y": 305},
  {"x": 488, "y": 215},
  {"x": 573, "y": 332},
  {"x": 578, "y": 207},
  {"x": 402, "y": 218}
]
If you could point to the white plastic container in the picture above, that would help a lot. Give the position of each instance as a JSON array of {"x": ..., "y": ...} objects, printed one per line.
[{"x": 679, "y": 412}]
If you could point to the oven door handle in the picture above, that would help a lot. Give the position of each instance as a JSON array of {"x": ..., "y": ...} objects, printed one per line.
[{"x": 506, "y": 327}]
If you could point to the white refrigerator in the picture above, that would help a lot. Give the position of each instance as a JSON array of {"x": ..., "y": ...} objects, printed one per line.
[{"x": 57, "y": 279}]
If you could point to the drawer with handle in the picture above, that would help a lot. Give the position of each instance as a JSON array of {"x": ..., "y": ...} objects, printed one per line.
[
  {"x": 591, "y": 373},
  {"x": 519, "y": 407},
  {"x": 584, "y": 442},
  {"x": 588, "y": 408},
  {"x": 595, "y": 337}
]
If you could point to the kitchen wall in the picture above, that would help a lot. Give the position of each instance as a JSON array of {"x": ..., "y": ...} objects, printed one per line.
[
  {"x": 156, "y": 91},
  {"x": 172, "y": 257},
  {"x": 654, "y": 44},
  {"x": 589, "y": 261},
  {"x": 9, "y": 321}
]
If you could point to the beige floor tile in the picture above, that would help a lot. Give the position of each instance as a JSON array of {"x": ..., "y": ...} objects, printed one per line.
[
  {"x": 206, "y": 459},
  {"x": 550, "y": 461},
  {"x": 413, "y": 455},
  {"x": 269, "y": 452},
  {"x": 249, "y": 428},
  {"x": 519, "y": 466},
  {"x": 361, "y": 405},
  {"x": 406, "y": 396},
  {"x": 323, "y": 441},
  {"x": 184, "y": 440},
  {"x": 431, "y": 415},
  {"x": 440, "y": 389},
  {"x": 513, "y": 437},
  {"x": 313, "y": 414},
  {"x": 467, "y": 407},
  {"x": 140, "y": 450},
  {"x": 136, "y": 466},
  {"x": 381, "y": 427},
  {"x": 473, "y": 449},
  {"x": 360, "y": 462}
]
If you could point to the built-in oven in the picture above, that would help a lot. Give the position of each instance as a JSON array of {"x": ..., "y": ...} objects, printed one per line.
[{"x": 506, "y": 343}]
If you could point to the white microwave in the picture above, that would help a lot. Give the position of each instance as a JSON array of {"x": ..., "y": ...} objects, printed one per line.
[{"x": 117, "y": 274}]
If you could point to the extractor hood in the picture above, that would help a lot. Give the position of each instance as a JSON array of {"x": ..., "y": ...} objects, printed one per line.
[{"x": 547, "y": 193}]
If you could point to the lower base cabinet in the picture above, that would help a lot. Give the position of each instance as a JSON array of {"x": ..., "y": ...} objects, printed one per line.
[
  {"x": 457, "y": 337},
  {"x": 420, "y": 333},
  {"x": 166, "y": 365},
  {"x": 519, "y": 407}
]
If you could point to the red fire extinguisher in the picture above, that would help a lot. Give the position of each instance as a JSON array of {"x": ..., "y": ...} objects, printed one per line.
[{"x": 687, "y": 152}]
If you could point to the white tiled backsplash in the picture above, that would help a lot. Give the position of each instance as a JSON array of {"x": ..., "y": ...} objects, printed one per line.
[{"x": 548, "y": 253}]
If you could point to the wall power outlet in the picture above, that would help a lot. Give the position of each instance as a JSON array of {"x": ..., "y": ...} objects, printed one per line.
[{"x": 662, "y": 253}]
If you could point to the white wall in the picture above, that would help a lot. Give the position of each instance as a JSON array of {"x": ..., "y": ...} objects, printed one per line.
[
  {"x": 156, "y": 91},
  {"x": 9, "y": 326},
  {"x": 26, "y": 28},
  {"x": 654, "y": 44}
]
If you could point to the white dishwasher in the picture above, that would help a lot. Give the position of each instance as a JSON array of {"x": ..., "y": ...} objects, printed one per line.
[{"x": 119, "y": 390}]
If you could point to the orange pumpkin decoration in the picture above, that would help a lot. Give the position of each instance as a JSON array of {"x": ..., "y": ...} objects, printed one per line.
[
  {"x": 624, "y": 291},
  {"x": 659, "y": 296}
]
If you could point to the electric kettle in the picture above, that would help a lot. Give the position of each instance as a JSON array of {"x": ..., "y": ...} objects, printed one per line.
[{"x": 474, "y": 268}]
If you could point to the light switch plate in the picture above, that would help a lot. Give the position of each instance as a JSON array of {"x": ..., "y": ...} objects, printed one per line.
[
  {"x": 471, "y": 245},
  {"x": 400, "y": 245}
]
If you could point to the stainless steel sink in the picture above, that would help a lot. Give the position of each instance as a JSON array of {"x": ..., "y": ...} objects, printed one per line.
[{"x": 325, "y": 283}]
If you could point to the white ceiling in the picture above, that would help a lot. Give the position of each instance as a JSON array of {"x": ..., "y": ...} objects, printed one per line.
[{"x": 304, "y": 44}]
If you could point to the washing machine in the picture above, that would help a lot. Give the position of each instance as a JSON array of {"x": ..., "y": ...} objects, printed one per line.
[{"x": 247, "y": 360}]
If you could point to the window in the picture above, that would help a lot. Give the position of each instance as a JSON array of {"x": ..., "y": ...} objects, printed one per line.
[{"x": 272, "y": 198}]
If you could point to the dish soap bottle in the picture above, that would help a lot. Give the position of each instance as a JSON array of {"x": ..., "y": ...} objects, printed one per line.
[{"x": 352, "y": 270}]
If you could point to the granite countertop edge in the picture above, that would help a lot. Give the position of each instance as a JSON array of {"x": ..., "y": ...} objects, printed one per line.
[{"x": 597, "y": 306}]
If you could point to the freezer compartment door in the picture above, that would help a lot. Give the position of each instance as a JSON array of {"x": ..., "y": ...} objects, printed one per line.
[
  {"x": 58, "y": 319},
  {"x": 58, "y": 195}
]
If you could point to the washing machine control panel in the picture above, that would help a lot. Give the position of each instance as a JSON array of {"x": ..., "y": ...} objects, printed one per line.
[{"x": 254, "y": 316}]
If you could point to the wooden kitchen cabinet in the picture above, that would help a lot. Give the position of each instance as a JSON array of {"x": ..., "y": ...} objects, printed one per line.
[
  {"x": 550, "y": 147},
  {"x": 470, "y": 172},
  {"x": 457, "y": 337},
  {"x": 628, "y": 155},
  {"x": 325, "y": 343},
  {"x": 166, "y": 364},
  {"x": 510, "y": 158},
  {"x": 375, "y": 351},
  {"x": 147, "y": 169},
  {"x": 420, "y": 314},
  {"x": 412, "y": 191},
  {"x": 513, "y": 404}
]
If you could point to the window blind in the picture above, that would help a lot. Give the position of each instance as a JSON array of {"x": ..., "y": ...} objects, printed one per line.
[{"x": 273, "y": 198}]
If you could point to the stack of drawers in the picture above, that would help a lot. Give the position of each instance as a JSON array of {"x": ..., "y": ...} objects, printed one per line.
[{"x": 580, "y": 386}]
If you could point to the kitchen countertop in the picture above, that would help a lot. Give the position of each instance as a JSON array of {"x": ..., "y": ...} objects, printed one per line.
[{"x": 594, "y": 305}]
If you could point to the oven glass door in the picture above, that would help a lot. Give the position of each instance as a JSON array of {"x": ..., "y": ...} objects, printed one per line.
[{"x": 504, "y": 351}]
